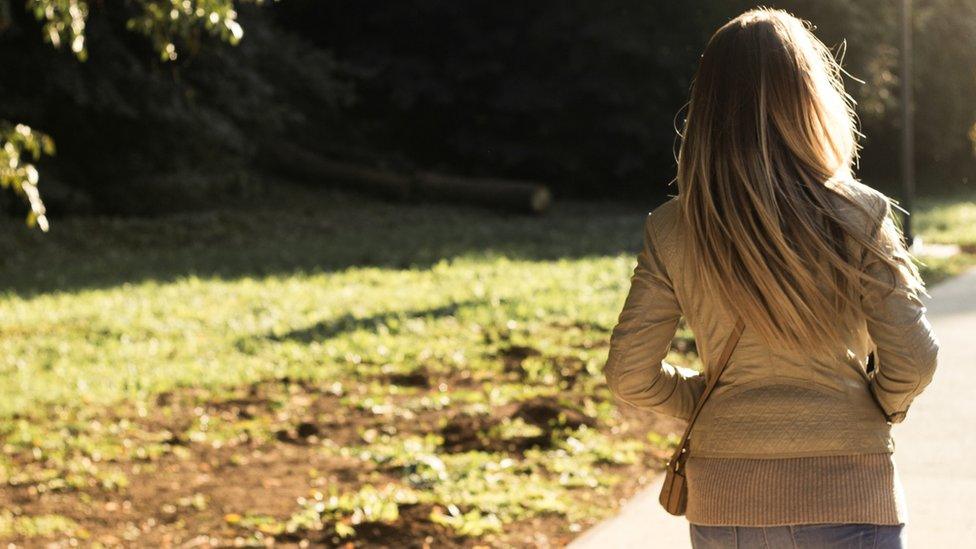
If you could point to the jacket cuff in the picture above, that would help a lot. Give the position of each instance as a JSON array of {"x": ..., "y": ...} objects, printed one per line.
[{"x": 897, "y": 417}]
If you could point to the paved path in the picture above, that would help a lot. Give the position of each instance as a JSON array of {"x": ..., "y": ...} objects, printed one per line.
[{"x": 935, "y": 448}]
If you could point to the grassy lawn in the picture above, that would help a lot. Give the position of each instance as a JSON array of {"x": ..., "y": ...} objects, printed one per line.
[
  {"x": 947, "y": 220},
  {"x": 322, "y": 368},
  {"x": 325, "y": 368}
]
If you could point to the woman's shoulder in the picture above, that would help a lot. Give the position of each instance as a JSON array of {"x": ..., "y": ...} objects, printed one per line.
[
  {"x": 865, "y": 205},
  {"x": 661, "y": 220},
  {"x": 664, "y": 215}
]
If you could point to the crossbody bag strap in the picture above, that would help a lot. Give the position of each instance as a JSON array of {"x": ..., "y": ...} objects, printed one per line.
[{"x": 723, "y": 361}]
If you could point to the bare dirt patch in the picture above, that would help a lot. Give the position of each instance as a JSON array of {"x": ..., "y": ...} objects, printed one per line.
[{"x": 264, "y": 451}]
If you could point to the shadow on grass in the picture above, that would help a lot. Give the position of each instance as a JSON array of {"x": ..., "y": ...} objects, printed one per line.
[
  {"x": 300, "y": 231},
  {"x": 346, "y": 323}
]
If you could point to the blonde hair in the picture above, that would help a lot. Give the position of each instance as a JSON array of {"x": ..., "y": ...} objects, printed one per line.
[{"x": 770, "y": 135}]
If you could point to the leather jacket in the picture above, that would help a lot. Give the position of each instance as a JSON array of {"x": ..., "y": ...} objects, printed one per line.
[{"x": 769, "y": 402}]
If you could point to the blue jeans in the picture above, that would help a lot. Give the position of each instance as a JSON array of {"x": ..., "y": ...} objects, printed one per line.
[{"x": 802, "y": 536}]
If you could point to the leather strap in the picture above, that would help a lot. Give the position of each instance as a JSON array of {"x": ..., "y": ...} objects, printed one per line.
[{"x": 723, "y": 361}]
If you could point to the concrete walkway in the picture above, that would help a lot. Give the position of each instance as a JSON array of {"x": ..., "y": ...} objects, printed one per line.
[{"x": 935, "y": 448}]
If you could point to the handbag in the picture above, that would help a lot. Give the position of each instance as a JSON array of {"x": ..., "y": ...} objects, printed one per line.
[{"x": 674, "y": 492}]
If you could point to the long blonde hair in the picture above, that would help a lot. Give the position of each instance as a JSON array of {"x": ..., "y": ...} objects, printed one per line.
[{"x": 770, "y": 134}]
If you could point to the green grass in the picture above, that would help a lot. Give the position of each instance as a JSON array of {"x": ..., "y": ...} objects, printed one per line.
[
  {"x": 101, "y": 310},
  {"x": 334, "y": 296},
  {"x": 936, "y": 269},
  {"x": 39, "y": 526},
  {"x": 948, "y": 221}
]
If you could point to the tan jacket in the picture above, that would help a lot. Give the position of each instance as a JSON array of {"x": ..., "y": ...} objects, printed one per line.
[{"x": 768, "y": 402}]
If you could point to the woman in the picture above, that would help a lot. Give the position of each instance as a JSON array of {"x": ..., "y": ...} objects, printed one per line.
[{"x": 793, "y": 448}]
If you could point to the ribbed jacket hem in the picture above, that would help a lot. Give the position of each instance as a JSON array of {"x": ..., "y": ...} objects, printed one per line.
[{"x": 862, "y": 489}]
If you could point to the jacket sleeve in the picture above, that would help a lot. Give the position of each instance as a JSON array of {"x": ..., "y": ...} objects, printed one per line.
[
  {"x": 635, "y": 369},
  {"x": 906, "y": 348}
]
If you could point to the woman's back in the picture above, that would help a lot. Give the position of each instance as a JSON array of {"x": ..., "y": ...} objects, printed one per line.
[
  {"x": 773, "y": 405},
  {"x": 769, "y": 227},
  {"x": 789, "y": 403}
]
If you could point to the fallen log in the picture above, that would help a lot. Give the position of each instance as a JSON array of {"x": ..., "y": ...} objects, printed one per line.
[
  {"x": 515, "y": 195},
  {"x": 526, "y": 196},
  {"x": 298, "y": 162}
]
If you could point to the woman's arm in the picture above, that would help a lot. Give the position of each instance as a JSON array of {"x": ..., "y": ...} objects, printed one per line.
[
  {"x": 906, "y": 347},
  {"x": 635, "y": 369}
]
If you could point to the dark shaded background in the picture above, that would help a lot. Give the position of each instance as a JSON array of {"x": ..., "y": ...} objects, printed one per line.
[{"x": 580, "y": 95}]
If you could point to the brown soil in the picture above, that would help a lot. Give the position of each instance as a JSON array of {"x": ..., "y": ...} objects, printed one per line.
[{"x": 253, "y": 477}]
